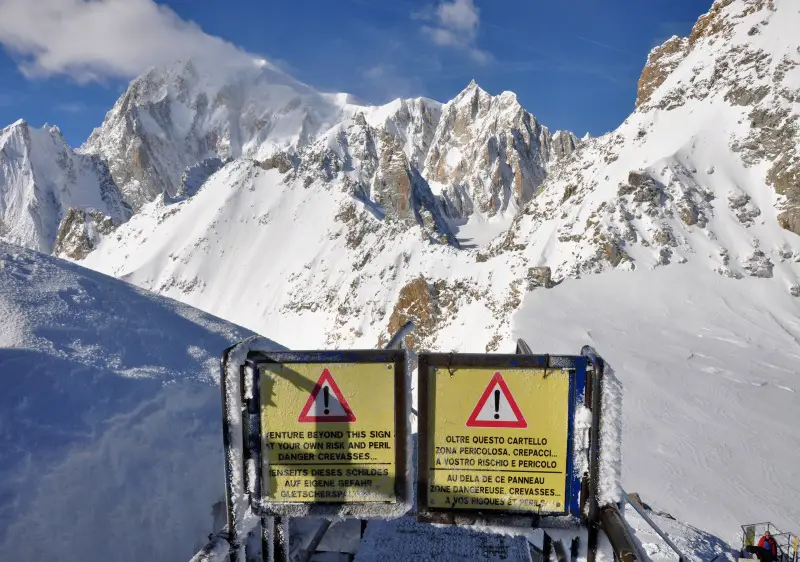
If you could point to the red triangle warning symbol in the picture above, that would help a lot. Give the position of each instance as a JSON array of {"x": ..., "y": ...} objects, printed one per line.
[
  {"x": 326, "y": 403},
  {"x": 497, "y": 407}
]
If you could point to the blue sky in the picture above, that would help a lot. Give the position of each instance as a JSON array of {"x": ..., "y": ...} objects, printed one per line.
[{"x": 573, "y": 64}]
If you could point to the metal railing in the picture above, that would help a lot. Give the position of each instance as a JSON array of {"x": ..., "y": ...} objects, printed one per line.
[
  {"x": 787, "y": 543},
  {"x": 643, "y": 514}
]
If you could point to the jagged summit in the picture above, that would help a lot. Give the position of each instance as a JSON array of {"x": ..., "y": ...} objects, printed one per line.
[
  {"x": 488, "y": 153},
  {"x": 41, "y": 178},
  {"x": 172, "y": 118},
  {"x": 18, "y": 123}
]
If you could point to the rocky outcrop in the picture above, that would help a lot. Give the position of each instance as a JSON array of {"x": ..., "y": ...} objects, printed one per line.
[
  {"x": 417, "y": 302},
  {"x": 280, "y": 161},
  {"x": 80, "y": 232},
  {"x": 41, "y": 177},
  {"x": 563, "y": 144},
  {"x": 394, "y": 183},
  {"x": 660, "y": 63},
  {"x": 488, "y": 151},
  {"x": 195, "y": 176}
]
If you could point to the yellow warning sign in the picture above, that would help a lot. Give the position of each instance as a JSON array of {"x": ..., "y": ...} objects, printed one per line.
[
  {"x": 497, "y": 439},
  {"x": 328, "y": 432}
]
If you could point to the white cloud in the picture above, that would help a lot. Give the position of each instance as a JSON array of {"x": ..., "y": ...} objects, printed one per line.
[
  {"x": 459, "y": 14},
  {"x": 454, "y": 24},
  {"x": 93, "y": 39}
]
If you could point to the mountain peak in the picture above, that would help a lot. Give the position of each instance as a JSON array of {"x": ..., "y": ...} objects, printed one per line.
[
  {"x": 173, "y": 117},
  {"x": 472, "y": 89},
  {"x": 18, "y": 125}
]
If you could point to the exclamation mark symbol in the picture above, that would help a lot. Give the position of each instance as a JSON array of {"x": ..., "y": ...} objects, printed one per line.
[
  {"x": 497, "y": 404},
  {"x": 326, "y": 398}
]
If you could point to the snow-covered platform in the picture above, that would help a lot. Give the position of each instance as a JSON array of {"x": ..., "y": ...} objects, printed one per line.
[{"x": 405, "y": 539}]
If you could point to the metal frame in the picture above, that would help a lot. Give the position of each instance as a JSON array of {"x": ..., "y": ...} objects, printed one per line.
[
  {"x": 253, "y": 443},
  {"x": 575, "y": 364},
  {"x": 230, "y": 468},
  {"x": 274, "y": 530},
  {"x": 593, "y": 399},
  {"x": 788, "y": 553}
]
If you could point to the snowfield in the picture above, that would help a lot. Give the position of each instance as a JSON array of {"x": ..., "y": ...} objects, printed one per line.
[
  {"x": 110, "y": 439},
  {"x": 710, "y": 377}
]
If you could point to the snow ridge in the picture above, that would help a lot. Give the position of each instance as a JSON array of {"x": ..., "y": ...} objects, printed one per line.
[{"x": 41, "y": 178}]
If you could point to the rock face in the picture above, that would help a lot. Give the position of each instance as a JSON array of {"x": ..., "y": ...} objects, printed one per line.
[
  {"x": 488, "y": 152},
  {"x": 743, "y": 52},
  {"x": 41, "y": 178},
  {"x": 195, "y": 176},
  {"x": 80, "y": 232},
  {"x": 373, "y": 158},
  {"x": 564, "y": 144},
  {"x": 660, "y": 63}
]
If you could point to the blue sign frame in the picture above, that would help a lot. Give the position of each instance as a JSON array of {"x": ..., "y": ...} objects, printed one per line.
[{"x": 575, "y": 365}]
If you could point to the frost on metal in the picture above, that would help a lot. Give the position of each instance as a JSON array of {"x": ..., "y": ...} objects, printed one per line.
[
  {"x": 610, "y": 484},
  {"x": 244, "y": 515},
  {"x": 244, "y": 518},
  {"x": 580, "y": 440}
]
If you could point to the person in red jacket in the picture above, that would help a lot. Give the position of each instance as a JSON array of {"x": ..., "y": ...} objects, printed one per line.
[{"x": 768, "y": 548}]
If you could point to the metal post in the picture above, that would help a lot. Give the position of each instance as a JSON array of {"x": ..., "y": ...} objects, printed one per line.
[
  {"x": 547, "y": 546},
  {"x": 620, "y": 538},
  {"x": 397, "y": 340},
  {"x": 523, "y": 348},
  {"x": 227, "y": 439},
  {"x": 573, "y": 550},
  {"x": 316, "y": 539},
  {"x": 216, "y": 550},
  {"x": 561, "y": 553},
  {"x": 280, "y": 537},
  {"x": 594, "y": 398}
]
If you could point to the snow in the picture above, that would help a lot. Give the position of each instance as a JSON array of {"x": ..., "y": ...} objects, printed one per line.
[
  {"x": 479, "y": 230},
  {"x": 249, "y": 232},
  {"x": 217, "y": 551},
  {"x": 109, "y": 416},
  {"x": 40, "y": 178},
  {"x": 696, "y": 545},
  {"x": 708, "y": 368},
  {"x": 611, "y": 436}
]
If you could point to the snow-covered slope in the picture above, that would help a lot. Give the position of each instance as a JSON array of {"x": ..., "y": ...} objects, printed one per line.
[
  {"x": 710, "y": 377},
  {"x": 110, "y": 444},
  {"x": 705, "y": 168},
  {"x": 313, "y": 263},
  {"x": 41, "y": 178}
]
